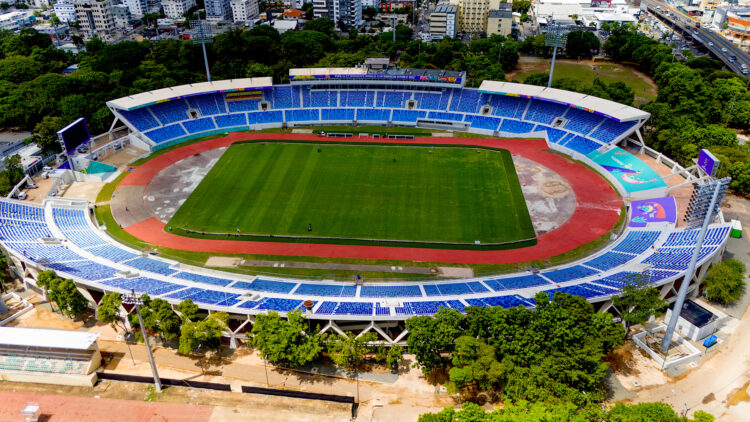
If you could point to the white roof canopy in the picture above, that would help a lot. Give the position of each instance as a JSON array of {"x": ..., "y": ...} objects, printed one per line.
[
  {"x": 152, "y": 97},
  {"x": 42, "y": 337},
  {"x": 608, "y": 108}
]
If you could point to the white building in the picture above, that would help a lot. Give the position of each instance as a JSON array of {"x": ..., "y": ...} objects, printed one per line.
[
  {"x": 347, "y": 11},
  {"x": 218, "y": 10},
  {"x": 244, "y": 10},
  {"x": 13, "y": 21},
  {"x": 95, "y": 18},
  {"x": 121, "y": 15},
  {"x": 39, "y": 3},
  {"x": 65, "y": 10},
  {"x": 137, "y": 7},
  {"x": 176, "y": 9}
]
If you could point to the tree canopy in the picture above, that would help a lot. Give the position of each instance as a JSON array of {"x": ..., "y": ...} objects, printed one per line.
[
  {"x": 725, "y": 282},
  {"x": 285, "y": 340}
]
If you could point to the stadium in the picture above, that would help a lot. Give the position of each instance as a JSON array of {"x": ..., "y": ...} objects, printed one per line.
[{"x": 333, "y": 195}]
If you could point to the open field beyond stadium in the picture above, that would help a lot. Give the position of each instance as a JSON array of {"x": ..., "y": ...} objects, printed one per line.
[
  {"x": 344, "y": 193},
  {"x": 597, "y": 212}
]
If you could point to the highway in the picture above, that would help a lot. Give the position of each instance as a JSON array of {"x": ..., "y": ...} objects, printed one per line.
[{"x": 707, "y": 37}]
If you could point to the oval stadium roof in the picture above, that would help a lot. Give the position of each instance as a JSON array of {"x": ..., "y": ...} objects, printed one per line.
[
  {"x": 607, "y": 108},
  {"x": 159, "y": 95}
]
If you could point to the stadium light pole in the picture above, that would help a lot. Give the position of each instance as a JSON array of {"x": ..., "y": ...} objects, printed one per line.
[
  {"x": 709, "y": 214},
  {"x": 133, "y": 299}
]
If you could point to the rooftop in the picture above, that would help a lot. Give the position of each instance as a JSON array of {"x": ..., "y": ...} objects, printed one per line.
[
  {"x": 43, "y": 337},
  {"x": 694, "y": 313}
]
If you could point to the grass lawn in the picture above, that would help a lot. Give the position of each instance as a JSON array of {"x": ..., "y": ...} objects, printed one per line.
[
  {"x": 395, "y": 193},
  {"x": 608, "y": 72}
]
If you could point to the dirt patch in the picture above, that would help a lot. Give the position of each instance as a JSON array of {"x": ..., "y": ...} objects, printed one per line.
[
  {"x": 223, "y": 262},
  {"x": 455, "y": 272},
  {"x": 709, "y": 398},
  {"x": 41, "y": 317},
  {"x": 738, "y": 396},
  {"x": 549, "y": 198},
  {"x": 84, "y": 190}
]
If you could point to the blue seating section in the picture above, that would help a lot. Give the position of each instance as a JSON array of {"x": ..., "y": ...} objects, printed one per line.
[
  {"x": 261, "y": 117},
  {"x": 231, "y": 120},
  {"x": 520, "y": 282},
  {"x": 440, "y": 115},
  {"x": 337, "y": 114},
  {"x": 570, "y": 273},
  {"x": 450, "y": 289},
  {"x": 346, "y": 308},
  {"x": 619, "y": 280},
  {"x": 211, "y": 297},
  {"x": 676, "y": 259},
  {"x": 506, "y": 106},
  {"x": 514, "y": 126},
  {"x": 637, "y": 242},
  {"x": 504, "y": 301},
  {"x": 199, "y": 125},
  {"x": 430, "y": 101},
  {"x": 152, "y": 265},
  {"x": 390, "y": 291},
  {"x": 166, "y": 133},
  {"x": 87, "y": 270},
  {"x": 302, "y": 115},
  {"x": 323, "y": 98},
  {"x": 352, "y": 98},
  {"x": 373, "y": 114},
  {"x": 280, "y": 97},
  {"x": 581, "y": 121},
  {"x": 38, "y": 252},
  {"x": 170, "y": 111},
  {"x": 421, "y": 308},
  {"x": 112, "y": 253},
  {"x": 382, "y": 310},
  {"x": 200, "y": 278},
  {"x": 392, "y": 99},
  {"x": 582, "y": 145},
  {"x": 608, "y": 260},
  {"x": 262, "y": 285},
  {"x": 208, "y": 104},
  {"x": 714, "y": 236},
  {"x": 236, "y": 106},
  {"x": 141, "y": 118},
  {"x": 334, "y": 290},
  {"x": 408, "y": 115},
  {"x": 22, "y": 230},
  {"x": 586, "y": 290},
  {"x": 544, "y": 112},
  {"x": 280, "y": 305},
  {"x": 483, "y": 122},
  {"x": 21, "y": 211},
  {"x": 610, "y": 130},
  {"x": 465, "y": 100},
  {"x": 141, "y": 285},
  {"x": 553, "y": 135}
]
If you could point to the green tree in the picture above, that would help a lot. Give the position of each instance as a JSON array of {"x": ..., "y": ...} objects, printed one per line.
[
  {"x": 284, "y": 341},
  {"x": 70, "y": 301},
  {"x": 188, "y": 310},
  {"x": 323, "y": 25},
  {"x": 349, "y": 352},
  {"x": 108, "y": 310},
  {"x": 394, "y": 357},
  {"x": 205, "y": 334},
  {"x": 725, "y": 282},
  {"x": 163, "y": 320},
  {"x": 638, "y": 301}
]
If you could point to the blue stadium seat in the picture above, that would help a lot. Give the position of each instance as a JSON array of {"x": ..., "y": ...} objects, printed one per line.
[
  {"x": 170, "y": 111},
  {"x": 166, "y": 133},
  {"x": 611, "y": 130},
  {"x": 231, "y": 120},
  {"x": 199, "y": 125}
]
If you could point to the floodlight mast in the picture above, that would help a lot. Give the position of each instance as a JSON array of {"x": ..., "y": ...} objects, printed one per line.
[
  {"x": 133, "y": 299},
  {"x": 709, "y": 214},
  {"x": 203, "y": 46}
]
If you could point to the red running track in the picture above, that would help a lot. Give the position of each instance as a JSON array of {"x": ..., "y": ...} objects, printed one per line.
[{"x": 597, "y": 211}]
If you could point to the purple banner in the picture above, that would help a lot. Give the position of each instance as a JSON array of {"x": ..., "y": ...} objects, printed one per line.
[
  {"x": 657, "y": 210},
  {"x": 708, "y": 162}
]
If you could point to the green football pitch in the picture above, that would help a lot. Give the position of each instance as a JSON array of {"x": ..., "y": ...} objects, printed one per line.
[{"x": 349, "y": 192}]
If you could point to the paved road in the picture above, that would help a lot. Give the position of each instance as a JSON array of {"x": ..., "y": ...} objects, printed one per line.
[{"x": 705, "y": 35}]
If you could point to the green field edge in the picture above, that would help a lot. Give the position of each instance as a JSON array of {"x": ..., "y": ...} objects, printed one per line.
[{"x": 515, "y": 188}]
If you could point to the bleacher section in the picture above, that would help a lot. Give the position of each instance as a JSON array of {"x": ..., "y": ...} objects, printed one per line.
[
  {"x": 90, "y": 259},
  {"x": 582, "y": 131}
]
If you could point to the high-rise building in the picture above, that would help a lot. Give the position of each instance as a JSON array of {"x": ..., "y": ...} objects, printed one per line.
[
  {"x": 442, "y": 21},
  {"x": 218, "y": 10},
  {"x": 500, "y": 21},
  {"x": 137, "y": 7},
  {"x": 121, "y": 15},
  {"x": 65, "y": 10},
  {"x": 244, "y": 10},
  {"x": 95, "y": 18},
  {"x": 472, "y": 14},
  {"x": 347, "y": 11},
  {"x": 176, "y": 9}
]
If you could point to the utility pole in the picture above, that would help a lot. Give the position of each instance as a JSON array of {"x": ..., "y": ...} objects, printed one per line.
[
  {"x": 133, "y": 299},
  {"x": 555, "y": 40},
  {"x": 700, "y": 209}
]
